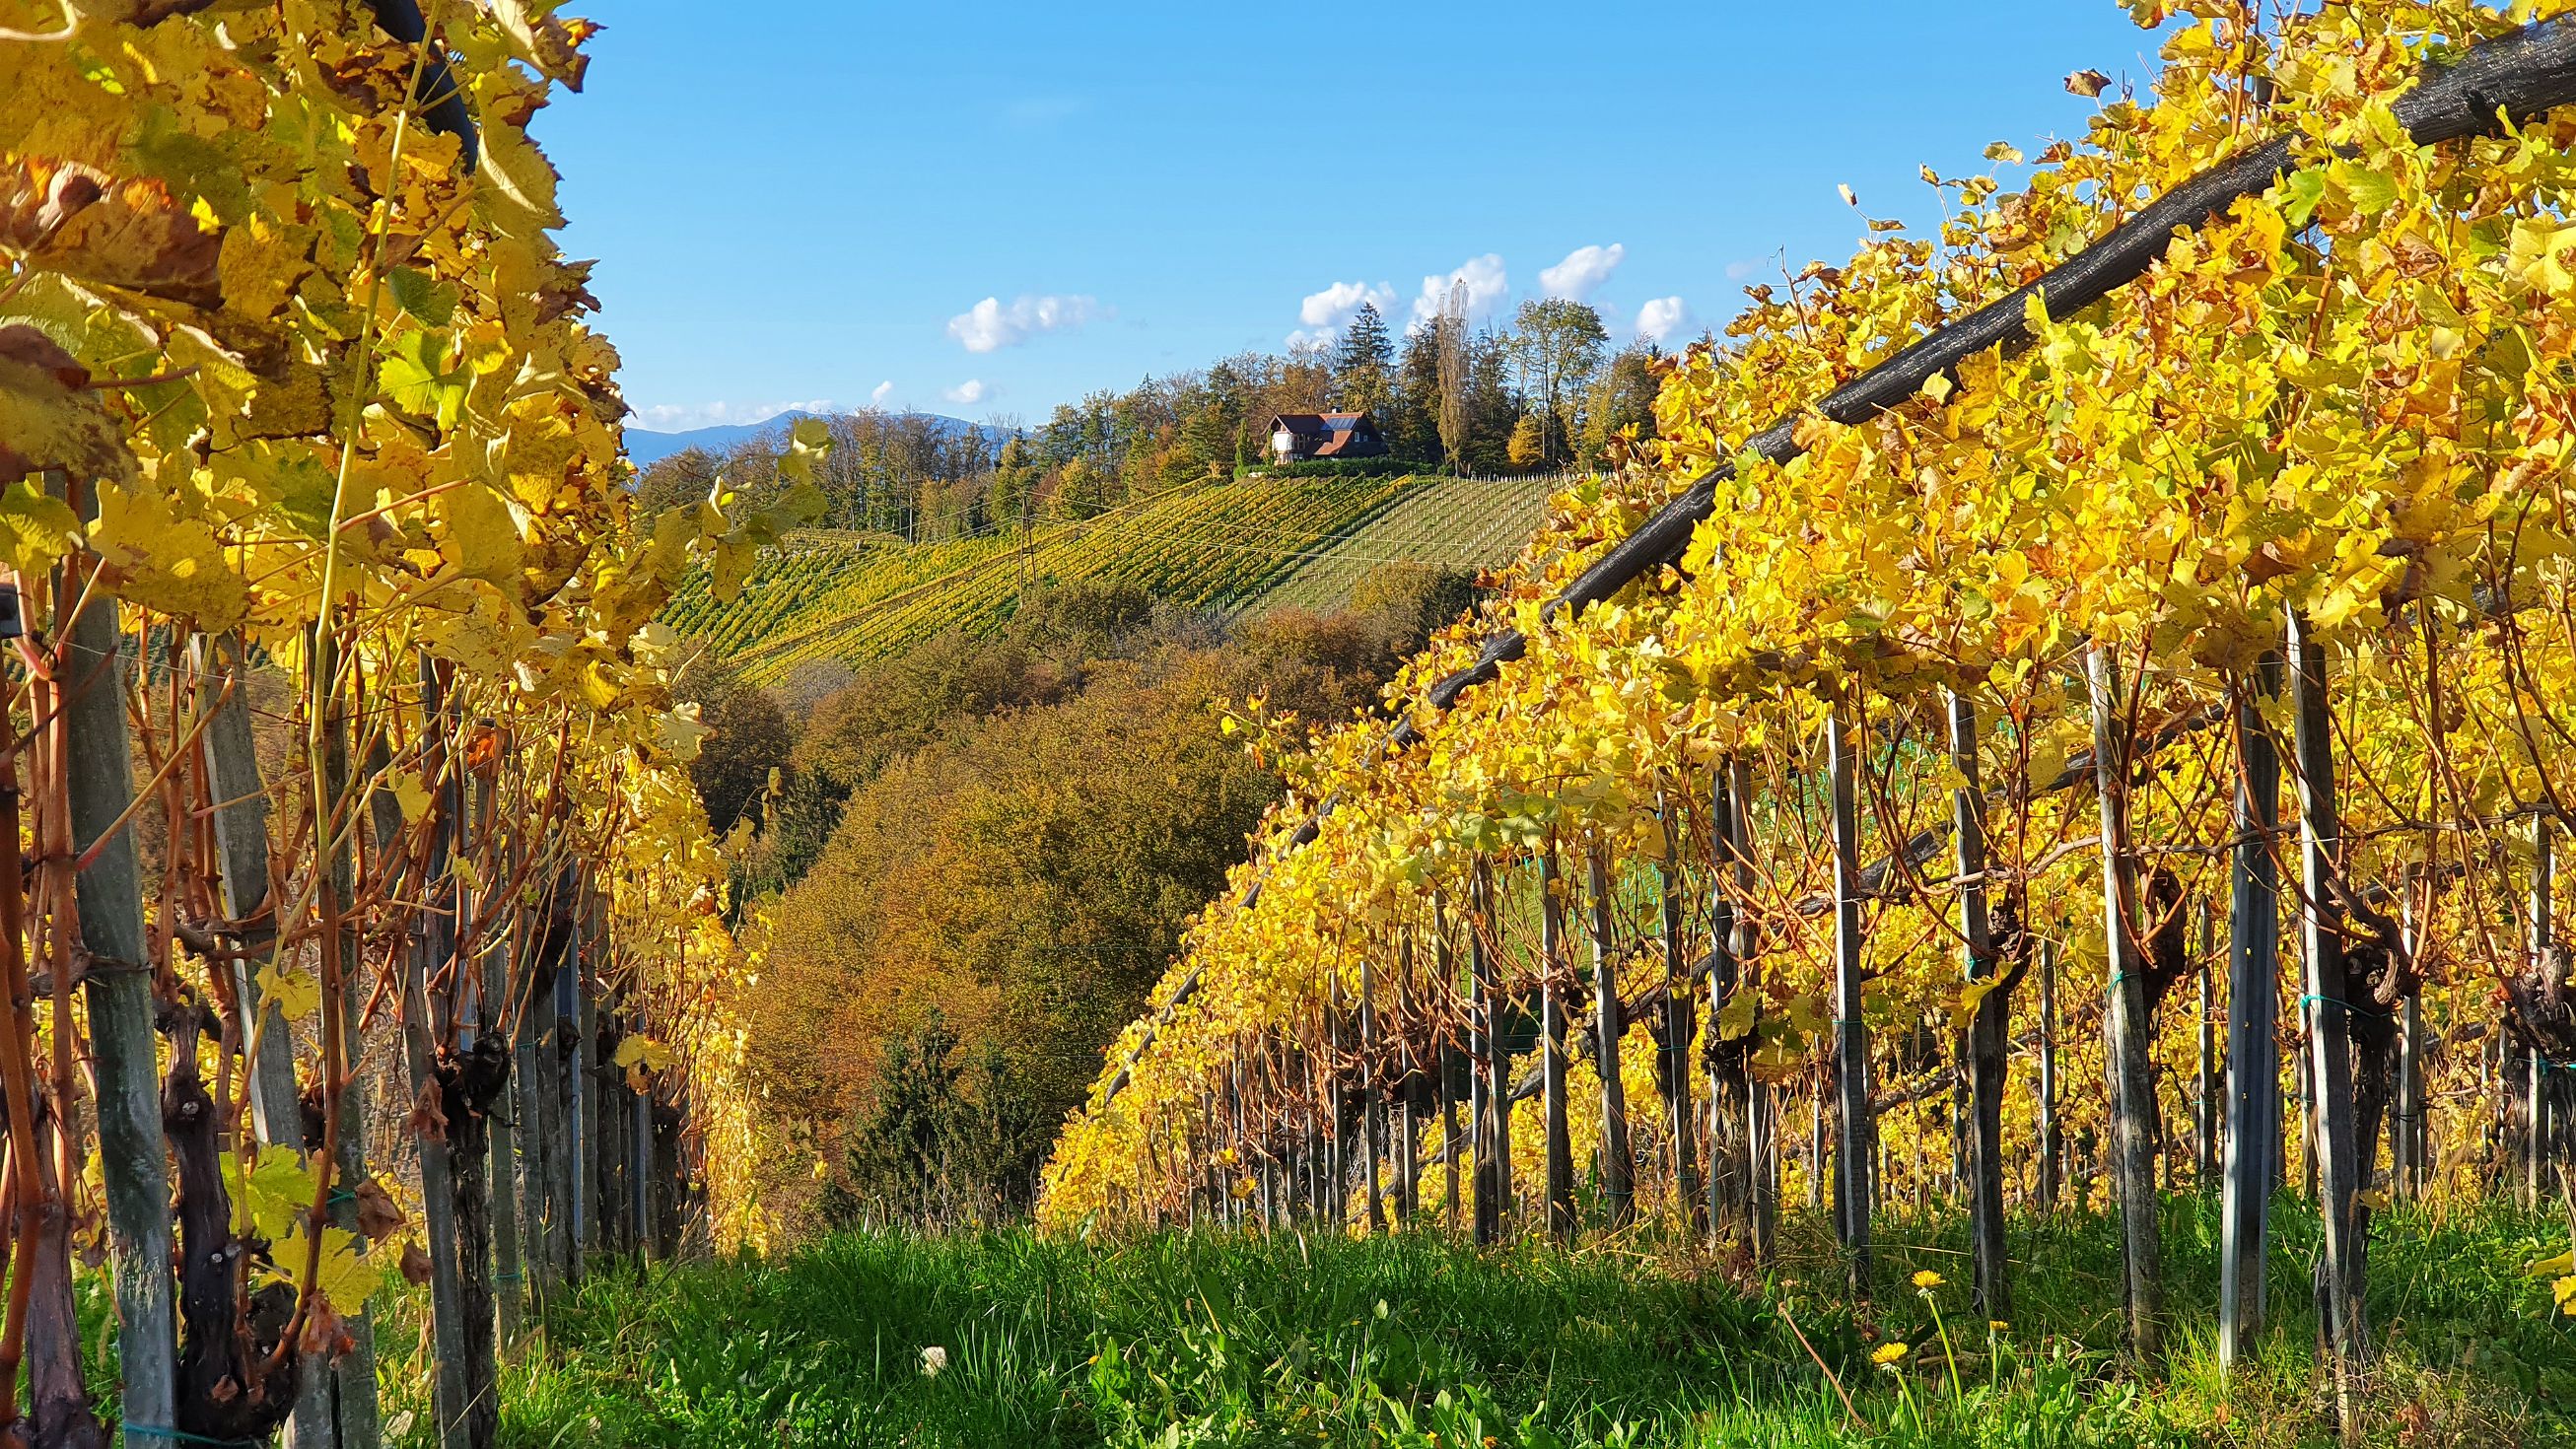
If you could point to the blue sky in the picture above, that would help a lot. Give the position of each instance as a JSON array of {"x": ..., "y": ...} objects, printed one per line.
[{"x": 802, "y": 203}]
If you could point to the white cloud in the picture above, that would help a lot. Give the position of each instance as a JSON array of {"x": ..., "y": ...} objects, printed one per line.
[
  {"x": 1738, "y": 271},
  {"x": 989, "y": 326},
  {"x": 970, "y": 392},
  {"x": 681, "y": 417},
  {"x": 1582, "y": 272},
  {"x": 1327, "y": 312},
  {"x": 877, "y": 395},
  {"x": 1337, "y": 304},
  {"x": 1486, "y": 284},
  {"x": 1662, "y": 317}
]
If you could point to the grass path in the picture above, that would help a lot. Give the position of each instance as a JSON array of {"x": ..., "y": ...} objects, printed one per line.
[{"x": 1178, "y": 1339}]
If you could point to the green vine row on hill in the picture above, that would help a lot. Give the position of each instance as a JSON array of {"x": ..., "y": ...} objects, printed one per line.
[{"x": 1228, "y": 547}]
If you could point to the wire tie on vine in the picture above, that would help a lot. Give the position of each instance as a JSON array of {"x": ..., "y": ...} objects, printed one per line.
[{"x": 2346, "y": 1005}]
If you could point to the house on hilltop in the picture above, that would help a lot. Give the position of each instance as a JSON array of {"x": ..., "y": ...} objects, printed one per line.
[{"x": 1298, "y": 437}]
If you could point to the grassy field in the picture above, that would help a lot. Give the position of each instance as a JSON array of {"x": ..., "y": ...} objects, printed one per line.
[{"x": 1204, "y": 1339}]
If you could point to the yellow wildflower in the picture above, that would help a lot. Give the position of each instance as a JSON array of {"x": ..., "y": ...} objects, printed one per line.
[
  {"x": 1888, "y": 1353},
  {"x": 1926, "y": 1278}
]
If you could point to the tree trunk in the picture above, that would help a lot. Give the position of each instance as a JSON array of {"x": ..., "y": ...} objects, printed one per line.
[
  {"x": 1618, "y": 1164},
  {"x": 1851, "y": 1033},
  {"x": 2131, "y": 1035},
  {"x": 117, "y": 987},
  {"x": 2253, "y": 1007}
]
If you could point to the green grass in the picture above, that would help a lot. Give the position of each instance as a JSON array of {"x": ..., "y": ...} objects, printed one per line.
[{"x": 1210, "y": 1339}]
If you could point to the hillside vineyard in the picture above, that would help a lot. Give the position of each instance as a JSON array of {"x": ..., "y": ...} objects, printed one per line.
[{"x": 2189, "y": 613}]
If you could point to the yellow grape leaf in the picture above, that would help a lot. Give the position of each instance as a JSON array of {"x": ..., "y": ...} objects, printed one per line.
[
  {"x": 166, "y": 562},
  {"x": 1735, "y": 1018},
  {"x": 413, "y": 796},
  {"x": 643, "y": 1051},
  {"x": 294, "y": 993},
  {"x": 2047, "y": 759},
  {"x": 2552, "y": 1267},
  {"x": 680, "y": 733},
  {"x": 273, "y": 1199},
  {"x": 1970, "y": 994},
  {"x": 36, "y": 528},
  {"x": 732, "y": 565},
  {"x": 483, "y": 539},
  {"x": 2564, "y": 1291},
  {"x": 599, "y": 689},
  {"x": 345, "y": 1276}
]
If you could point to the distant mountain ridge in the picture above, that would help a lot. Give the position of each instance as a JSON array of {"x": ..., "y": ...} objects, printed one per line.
[{"x": 647, "y": 447}]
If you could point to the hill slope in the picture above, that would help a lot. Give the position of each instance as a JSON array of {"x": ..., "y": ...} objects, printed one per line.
[{"x": 1232, "y": 547}]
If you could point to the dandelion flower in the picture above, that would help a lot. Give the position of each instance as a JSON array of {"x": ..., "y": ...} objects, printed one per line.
[
  {"x": 1927, "y": 1279},
  {"x": 1999, "y": 1325},
  {"x": 1888, "y": 1353},
  {"x": 933, "y": 1359}
]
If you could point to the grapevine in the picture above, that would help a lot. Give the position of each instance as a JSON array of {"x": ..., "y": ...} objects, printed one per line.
[{"x": 2293, "y": 500}]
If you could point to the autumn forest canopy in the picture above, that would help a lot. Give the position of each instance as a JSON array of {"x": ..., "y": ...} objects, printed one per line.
[{"x": 1974, "y": 857}]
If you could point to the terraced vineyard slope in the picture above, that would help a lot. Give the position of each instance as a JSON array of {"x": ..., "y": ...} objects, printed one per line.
[
  {"x": 1476, "y": 523},
  {"x": 1233, "y": 547}
]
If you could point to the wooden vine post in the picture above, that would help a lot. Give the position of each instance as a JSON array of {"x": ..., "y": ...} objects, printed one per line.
[
  {"x": 2253, "y": 1006},
  {"x": 2339, "y": 1279},
  {"x": 1731, "y": 1163},
  {"x": 1552, "y": 1047},
  {"x": 1678, "y": 1029},
  {"x": 2052, "y": 1134},
  {"x": 432, "y": 947},
  {"x": 1989, "y": 1028},
  {"x": 1372, "y": 1109},
  {"x": 241, "y": 840},
  {"x": 2130, "y": 1036},
  {"x": 2205, "y": 1079},
  {"x": 2542, "y": 930},
  {"x": 1444, "y": 958},
  {"x": 1851, "y": 1033},
  {"x": 1618, "y": 1166},
  {"x": 116, "y": 986},
  {"x": 1761, "y": 1154}
]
